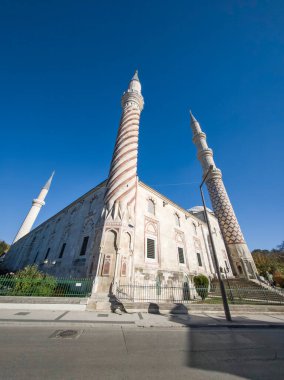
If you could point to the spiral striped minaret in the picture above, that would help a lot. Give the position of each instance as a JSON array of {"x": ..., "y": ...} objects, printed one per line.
[
  {"x": 239, "y": 253},
  {"x": 121, "y": 185}
]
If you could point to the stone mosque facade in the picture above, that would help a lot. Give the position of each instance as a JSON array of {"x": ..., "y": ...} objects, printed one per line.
[{"x": 123, "y": 231}]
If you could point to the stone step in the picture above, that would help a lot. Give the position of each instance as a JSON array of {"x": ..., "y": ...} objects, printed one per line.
[
  {"x": 98, "y": 305},
  {"x": 247, "y": 289}
]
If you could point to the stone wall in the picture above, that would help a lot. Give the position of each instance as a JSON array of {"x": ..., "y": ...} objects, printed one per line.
[
  {"x": 172, "y": 227},
  {"x": 70, "y": 226}
]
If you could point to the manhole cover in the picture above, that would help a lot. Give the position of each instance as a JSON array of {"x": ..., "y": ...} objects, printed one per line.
[{"x": 66, "y": 334}]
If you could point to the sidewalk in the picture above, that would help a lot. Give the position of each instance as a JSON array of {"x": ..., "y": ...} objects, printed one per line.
[{"x": 142, "y": 320}]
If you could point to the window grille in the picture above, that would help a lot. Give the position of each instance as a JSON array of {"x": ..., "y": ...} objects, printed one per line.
[
  {"x": 62, "y": 250},
  {"x": 84, "y": 246},
  {"x": 199, "y": 259},
  {"x": 150, "y": 248},
  {"x": 180, "y": 255}
]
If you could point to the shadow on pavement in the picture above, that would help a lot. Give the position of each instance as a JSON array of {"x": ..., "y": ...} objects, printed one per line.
[
  {"x": 153, "y": 308},
  {"x": 251, "y": 352}
]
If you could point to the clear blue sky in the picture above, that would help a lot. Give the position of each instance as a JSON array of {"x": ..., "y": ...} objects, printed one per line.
[{"x": 65, "y": 64}]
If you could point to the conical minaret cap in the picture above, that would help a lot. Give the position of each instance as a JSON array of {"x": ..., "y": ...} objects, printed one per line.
[
  {"x": 192, "y": 118},
  {"x": 48, "y": 183},
  {"x": 135, "y": 76},
  {"x": 194, "y": 125},
  {"x": 134, "y": 84}
]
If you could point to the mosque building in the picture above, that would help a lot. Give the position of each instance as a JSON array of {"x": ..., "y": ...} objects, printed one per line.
[{"x": 123, "y": 231}]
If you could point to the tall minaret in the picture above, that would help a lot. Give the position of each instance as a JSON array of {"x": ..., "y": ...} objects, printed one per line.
[
  {"x": 35, "y": 209},
  {"x": 118, "y": 217},
  {"x": 121, "y": 185},
  {"x": 240, "y": 256}
]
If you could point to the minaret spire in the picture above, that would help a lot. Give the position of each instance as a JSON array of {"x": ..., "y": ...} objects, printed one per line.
[
  {"x": 48, "y": 183},
  {"x": 135, "y": 76},
  {"x": 35, "y": 209},
  {"x": 240, "y": 256}
]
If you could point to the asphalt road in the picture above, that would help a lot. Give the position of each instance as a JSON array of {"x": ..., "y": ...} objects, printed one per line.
[{"x": 141, "y": 353}]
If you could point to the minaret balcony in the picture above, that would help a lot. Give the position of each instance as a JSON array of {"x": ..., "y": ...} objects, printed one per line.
[
  {"x": 135, "y": 97},
  {"x": 38, "y": 202},
  {"x": 198, "y": 136},
  {"x": 205, "y": 153}
]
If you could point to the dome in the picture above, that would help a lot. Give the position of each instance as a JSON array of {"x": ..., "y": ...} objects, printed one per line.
[{"x": 197, "y": 209}]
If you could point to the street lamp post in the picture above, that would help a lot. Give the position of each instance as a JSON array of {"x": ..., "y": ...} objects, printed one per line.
[{"x": 222, "y": 287}]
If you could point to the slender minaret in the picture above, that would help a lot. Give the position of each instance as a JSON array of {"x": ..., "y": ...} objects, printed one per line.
[
  {"x": 240, "y": 256},
  {"x": 118, "y": 217},
  {"x": 35, "y": 209},
  {"x": 121, "y": 185}
]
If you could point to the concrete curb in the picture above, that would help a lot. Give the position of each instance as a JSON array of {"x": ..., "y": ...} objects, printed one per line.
[
  {"x": 133, "y": 324},
  {"x": 42, "y": 300},
  {"x": 44, "y": 306},
  {"x": 195, "y": 308},
  {"x": 43, "y": 303}
]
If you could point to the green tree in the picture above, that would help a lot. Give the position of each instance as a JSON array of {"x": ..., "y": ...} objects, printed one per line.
[
  {"x": 201, "y": 284},
  {"x": 264, "y": 263},
  {"x": 31, "y": 282},
  {"x": 280, "y": 247},
  {"x": 270, "y": 261},
  {"x": 4, "y": 247}
]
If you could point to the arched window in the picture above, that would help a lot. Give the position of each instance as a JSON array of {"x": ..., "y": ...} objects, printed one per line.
[
  {"x": 209, "y": 244},
  {"x": 180, "y": 255},
  {"x": 84, "y": 246},
  {"x": 123, "y": 267},
  {"x": 195, "y": 228},
  {"x": 151, "y": 206},
  {"x": 110, "y": 241},
  {"x": 106, "y": 266},
  {"x": 177, "y": 220}
]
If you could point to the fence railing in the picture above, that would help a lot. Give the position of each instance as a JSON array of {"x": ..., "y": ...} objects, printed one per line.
[
  {"x": 188, "y": 294},
  {"x": 45, "y": 287},
  {"x": 250, "y": 295},
  {"x": 157, "y": 293}
]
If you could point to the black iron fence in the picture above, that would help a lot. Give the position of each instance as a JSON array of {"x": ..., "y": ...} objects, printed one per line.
[
  {"x": 184, "y": 293},
  {"x": 159, "y": 293}
]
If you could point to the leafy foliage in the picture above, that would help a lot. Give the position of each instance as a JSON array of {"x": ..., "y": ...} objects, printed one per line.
[
  {"x": 201, "y": 283},
  {"x": 278, "y": 277},
  {"x": 280, "y": 247},
  {"x": 31, "y": 282},
  {"x": 270, "y": 262},
  {"x": 4, "y": 247}
]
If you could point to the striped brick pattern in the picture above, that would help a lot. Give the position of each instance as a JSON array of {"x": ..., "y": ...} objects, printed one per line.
[
  {"x": 224, "y": 212},
  {"x": 121, "y": 185}
]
